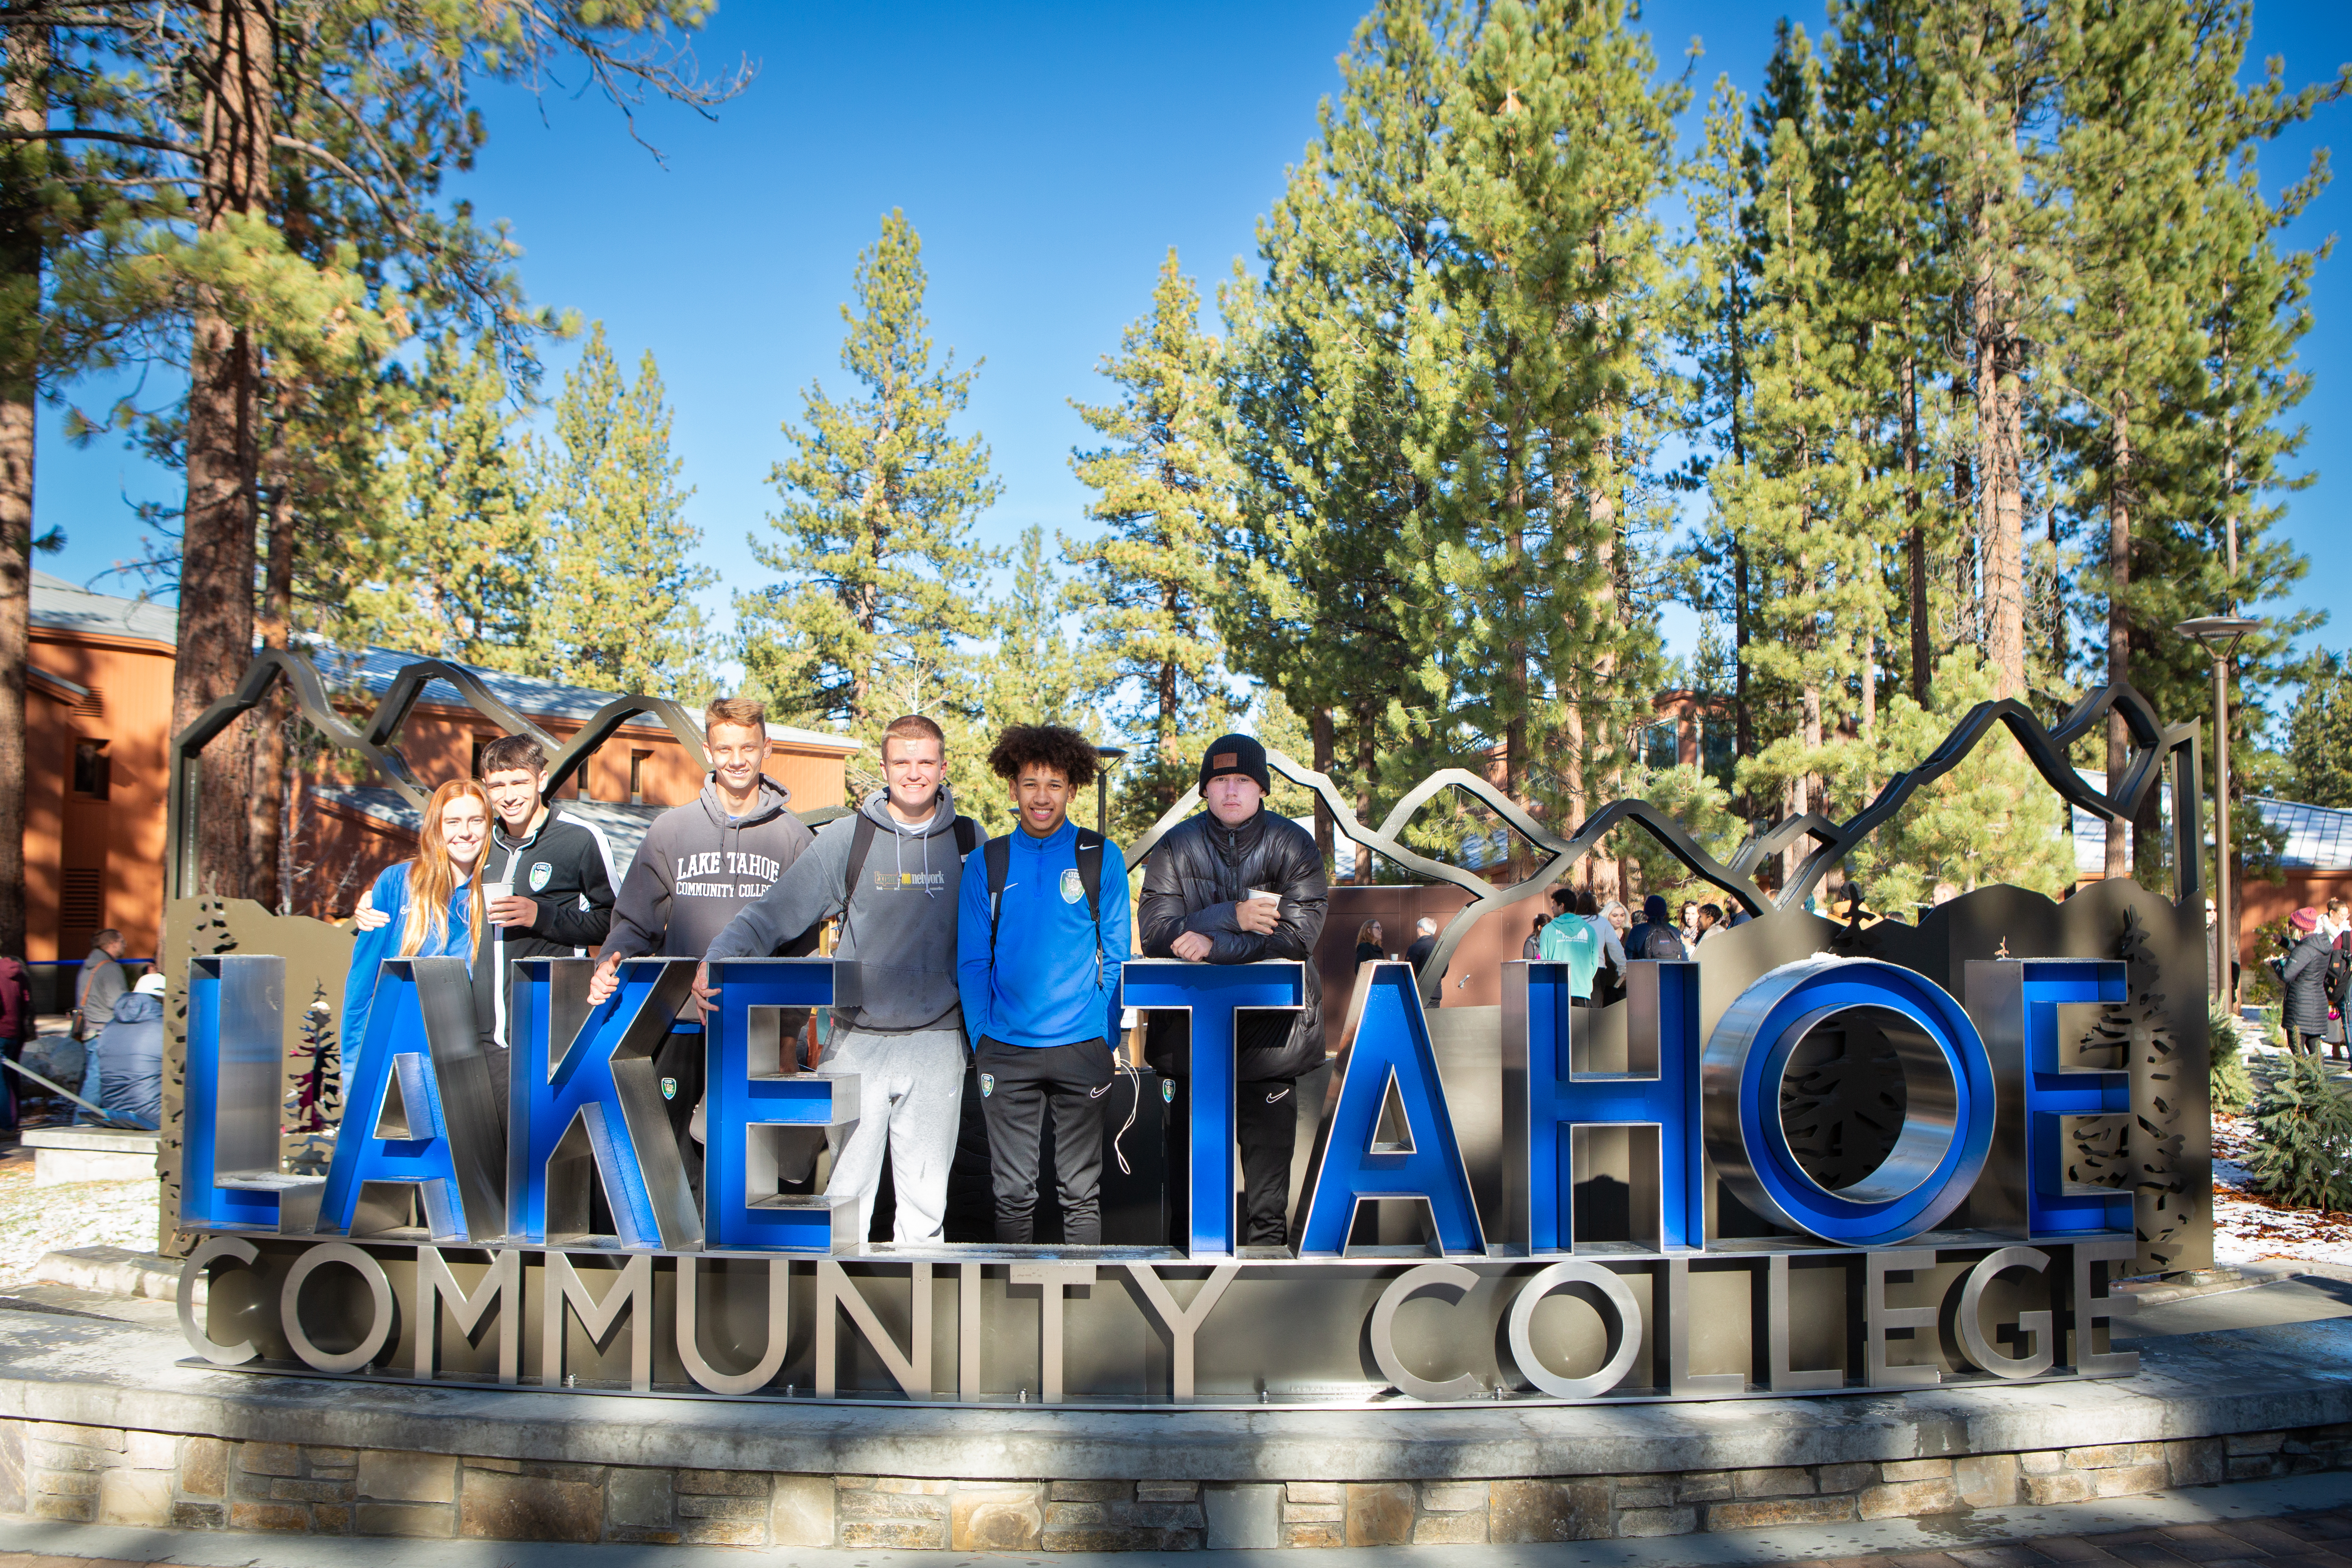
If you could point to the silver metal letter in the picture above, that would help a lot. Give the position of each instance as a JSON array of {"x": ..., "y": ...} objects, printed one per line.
[
  {"x": 1877, "y": 1318},
  {"x": 1052, "y": 1279},
  {"x": 501, "y": 1288},
  {"x": 1681, "y": 1382},
  {"x": 289, "y": 1307},
  {"x": 1782, "y": 1378},
  {"x": 1182, "y": 1322},
  {"x": 1620, "y": 1297},
  {"x": 192, "y": 1274},
  {"x": 1976, "y": 1342},
  {"x": 1420, "y": 1277},
  {"x": 912, "y": 1370},
  {"x": 631, "y": 1290},
  {"x": 689, "y": 1330},
  {"x": 2089, "y": 1309}
]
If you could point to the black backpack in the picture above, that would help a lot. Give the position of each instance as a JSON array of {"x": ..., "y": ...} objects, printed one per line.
[
  {"x": 1089, "y": 855},
  {"x": 1664, "y": 942},
  {"x": 861, "y": 845}
]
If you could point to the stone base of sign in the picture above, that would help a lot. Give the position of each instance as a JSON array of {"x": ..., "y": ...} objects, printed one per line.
[{"x": 103, "y": 1422}]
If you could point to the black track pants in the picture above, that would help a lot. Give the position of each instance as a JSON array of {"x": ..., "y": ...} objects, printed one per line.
[
  {"x": 1018, "y": 1085},
  {"x": 1265, "y": 1124}
]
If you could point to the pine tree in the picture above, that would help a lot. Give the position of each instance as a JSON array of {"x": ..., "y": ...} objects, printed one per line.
[
  {"x": 1334, "y": 380},
  {"x": 2319, "y": 734},
  {"x": 1035, "y": 675},
  {"x": 1151, "y": 581},
  {"x": 456, "y": 564},
  {"x": 880, "y": 589},
  {"x": 2302, "y": 1129},
  {"x": 616, "y": 611}
]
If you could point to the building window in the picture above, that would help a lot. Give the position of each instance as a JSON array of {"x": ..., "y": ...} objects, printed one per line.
[
  {"x": 587, "y": 766},
  {"x": 474, "y": 764},
  {"x": 92, "y": 774},
  {"x": 638, "y": 761}
]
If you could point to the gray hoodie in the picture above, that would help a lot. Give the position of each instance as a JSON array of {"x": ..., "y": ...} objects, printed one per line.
[
  {"x": 900, "y": 925},
  {"x": 697, "y": 867}
]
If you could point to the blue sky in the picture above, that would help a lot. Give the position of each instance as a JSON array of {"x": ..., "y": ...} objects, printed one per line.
[{"x": 1049, "y": 156}]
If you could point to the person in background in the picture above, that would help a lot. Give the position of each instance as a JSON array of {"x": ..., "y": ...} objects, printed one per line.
[
  {"x": 1710, "y": 920},
  {"x": 1037, "y": 963},
  {"x": 430, "y": 907},
  {"x": 1574, "y": 941},
  {"x": 2305, "y": 975},
  {"x": 2339, "y": 980},
  {"x": 1368, "y": 943},
  {"x": 1690, "y": 924},
  {"x": 1532, "y": 948},
  {"x": 1424, "y": 944},
  {"x": 102, "y": 980},
  {"x": 556, "y": 873},
  {"x": 1233, "y": 885},
  {"x": 16, "y": 1027},
  {"x": 1655, "y": 937},
  {"x": 1609, "y": 986},
  {"x": 126, "y": 1061}
]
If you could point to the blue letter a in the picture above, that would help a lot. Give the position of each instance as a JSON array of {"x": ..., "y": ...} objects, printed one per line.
[
  {"x": 417, "y": 1113},
  {"x": 1387, "y": 1047}
]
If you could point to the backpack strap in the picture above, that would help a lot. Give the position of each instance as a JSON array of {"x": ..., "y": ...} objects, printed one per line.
[
  {"x": 861, "y": 845},
  {"x": 967, "y": 836},
  {"x": 999, "y": 860},
  {"x": 1089, "y": 852}
]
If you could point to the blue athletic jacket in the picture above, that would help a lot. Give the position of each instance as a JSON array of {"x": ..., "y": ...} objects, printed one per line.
[
  {"x": 390, "y": 894},
  {"x": 1050, "y": 981}
]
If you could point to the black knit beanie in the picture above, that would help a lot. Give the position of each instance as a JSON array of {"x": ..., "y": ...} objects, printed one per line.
[{"x": 1235, "y": 754}]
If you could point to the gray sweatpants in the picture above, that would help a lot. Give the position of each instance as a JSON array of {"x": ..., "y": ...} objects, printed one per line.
[{"x": 911, "y": 1092}]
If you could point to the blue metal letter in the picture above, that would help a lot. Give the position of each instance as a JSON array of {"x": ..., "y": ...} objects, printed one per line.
[
  {"x": 746, "y": 1104},
  {"x": 1211, "y": 992},
  {"x": 1386, "y": 1043},
  {"x": 228, "y": 1156},
  {"x": 584, "y": 1088},
  {"x": 1546, "y": 1098},
  {"x": 1947, "y": 1121},
  {"x": 399, "y": 1125},
  {"x": 2017, "y": 1001}
]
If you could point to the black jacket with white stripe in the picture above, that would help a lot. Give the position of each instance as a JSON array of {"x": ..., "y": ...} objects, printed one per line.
[{"x": 565, "y": 867}]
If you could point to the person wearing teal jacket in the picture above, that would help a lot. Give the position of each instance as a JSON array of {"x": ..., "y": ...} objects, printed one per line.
[
  {"x": 426, "y": 908},
  {"x": 1040, "y": 938},
  {"x": 1574, "y": 938}
]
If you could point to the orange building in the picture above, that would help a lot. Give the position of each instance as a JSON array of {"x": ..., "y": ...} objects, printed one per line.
[{"x": 98, "y": 721}]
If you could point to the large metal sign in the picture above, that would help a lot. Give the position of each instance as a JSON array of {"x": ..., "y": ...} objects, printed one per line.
[
  {"x": 1656, "y": 1219},
  {"x": 1815, "y": 1158}
]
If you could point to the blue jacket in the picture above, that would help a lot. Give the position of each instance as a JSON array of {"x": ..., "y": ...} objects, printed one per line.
[
  {"x": 1052, "y": 980},
  {"x": 390, "y": 894},
  {"x": 128, "y": 1057}
]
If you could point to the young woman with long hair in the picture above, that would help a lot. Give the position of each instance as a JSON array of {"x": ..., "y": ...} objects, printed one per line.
[{"x": 426, "y": 908}]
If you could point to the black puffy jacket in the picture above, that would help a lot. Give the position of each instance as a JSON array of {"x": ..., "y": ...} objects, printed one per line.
[
  {"x": 1192, "y": 880},
  {"x": 2307, "y": 986}
]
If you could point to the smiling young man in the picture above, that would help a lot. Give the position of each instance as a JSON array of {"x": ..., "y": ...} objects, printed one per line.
[
  {"x": 1233, "y": 885},
  {"x": 1040, "y": 942},
  {"x": 697, "y": 867},
  {"x": 891, "y": 871},
  {"x": 558, "y": 873}
]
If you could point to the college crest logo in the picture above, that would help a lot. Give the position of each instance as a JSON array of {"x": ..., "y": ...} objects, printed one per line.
[
  {"x": 538, "y": 876},
  {"x": 1167, "y": 1091},
  {"x": 1073, "y": 887},
  {"x": 987, "y": 1084},
  {"x": 669, "y": 1089}
]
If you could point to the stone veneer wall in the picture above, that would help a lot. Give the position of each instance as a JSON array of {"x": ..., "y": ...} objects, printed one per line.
[{"x": 109, "y": 1476}]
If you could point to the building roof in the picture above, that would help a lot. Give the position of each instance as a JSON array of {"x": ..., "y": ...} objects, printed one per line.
[
  {"x": 63, "y": 605},
  {"x": 623, "y": 826},
  {"x": 66, "y": 606},
  {"x": 2318, "y": 837}
]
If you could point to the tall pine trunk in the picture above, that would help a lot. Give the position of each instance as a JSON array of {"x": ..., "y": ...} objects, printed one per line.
[
  {"x": 216, "y": 550},
  {"x": 265, "y": 801},
  {"x": 20, "y": 317},
  {"x": 2001, "y": 501},
  {"x": 2117, "y": 861},
  {"x": 1915, "y": 535}
]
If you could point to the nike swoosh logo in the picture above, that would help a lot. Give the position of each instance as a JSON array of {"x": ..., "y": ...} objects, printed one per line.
[
  {"x": 1098, "y": 1093},
  {"x": 1277, "y": 1094}
]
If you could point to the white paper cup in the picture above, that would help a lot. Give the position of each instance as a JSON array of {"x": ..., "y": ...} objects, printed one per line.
[{"x": 494, "y": 891}]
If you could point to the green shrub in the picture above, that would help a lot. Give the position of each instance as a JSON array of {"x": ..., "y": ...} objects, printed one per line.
[
  {"x": 2303, "y": 1151},
  {"x": 2232, "y": 1083}
]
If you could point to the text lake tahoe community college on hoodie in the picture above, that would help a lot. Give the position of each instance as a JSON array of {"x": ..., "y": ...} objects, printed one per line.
[{"x": 697, "y": 869}]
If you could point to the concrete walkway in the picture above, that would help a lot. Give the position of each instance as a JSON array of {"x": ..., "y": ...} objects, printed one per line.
[{"x": 2298, "y": 1522}]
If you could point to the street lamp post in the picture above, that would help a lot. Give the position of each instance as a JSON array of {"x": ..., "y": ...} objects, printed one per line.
[
  {"x": 1106, "y": 758},
  {"x": 2220, "y": 634}
]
